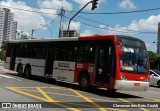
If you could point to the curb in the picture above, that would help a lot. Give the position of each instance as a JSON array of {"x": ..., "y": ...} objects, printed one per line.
[{"x": 7, "y": 72}]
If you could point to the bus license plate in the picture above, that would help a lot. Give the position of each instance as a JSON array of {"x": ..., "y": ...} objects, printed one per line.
[{"x": 136, "y": 84}]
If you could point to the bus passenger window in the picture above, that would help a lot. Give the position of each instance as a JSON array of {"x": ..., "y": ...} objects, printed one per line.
[{"x": 101, "y": 56}]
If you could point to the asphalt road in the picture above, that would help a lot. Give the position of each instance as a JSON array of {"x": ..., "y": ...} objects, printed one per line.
[{"x": 15, "y": 90}]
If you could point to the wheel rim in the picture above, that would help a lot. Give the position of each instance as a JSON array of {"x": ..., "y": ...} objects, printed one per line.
[
  {"x": 84, "y": 82},
  {"x": 27, "y": 72},
  {"x": 20, "y": 70}
]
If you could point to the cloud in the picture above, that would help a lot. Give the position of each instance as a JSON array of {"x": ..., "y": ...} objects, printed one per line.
[
  {"x": 73, "y": 25},
  {"x": 149, "y": 24},
  {"x": 86, "y": 33},
  {"x": 151, "y": 47},
  {"x": 113, "y": 30},
  {"x": 31, "y": 20},
  {"x": 26, "y": 20},
  {"x": 53, "y": 5},
  {"x": 127, "y": 4},
  {"x": 84, "y": 2}
]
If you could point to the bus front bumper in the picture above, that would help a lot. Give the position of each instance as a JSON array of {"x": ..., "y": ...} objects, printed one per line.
[{"x": 131, "y": 85}]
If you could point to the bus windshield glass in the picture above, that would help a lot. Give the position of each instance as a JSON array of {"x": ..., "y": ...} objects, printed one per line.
[{"x": 134, "y": 57}]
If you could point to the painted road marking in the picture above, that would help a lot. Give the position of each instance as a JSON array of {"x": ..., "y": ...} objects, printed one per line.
[
  {"x": 55, "y": 102},
  {"x": 69, "y": 95},
  {"x": 88, "y": 100},
  {"x": 116, "y": 109},
  {"x": 65, "y": 95},
  {"x": 155, "y": 100},
  {"x": 6, "y": 76},
  {"x": 153, "y": 91},
  {"x": 40, "y": 98},
  {"x": 56, "y": 87},
  {"x": 9, "y": 77},
  {"x": 139, "y": 99},
  {"x": 45, "y": 99},
  {"x": 144, "y": 109},
  {"x": 17, "y": 89}
]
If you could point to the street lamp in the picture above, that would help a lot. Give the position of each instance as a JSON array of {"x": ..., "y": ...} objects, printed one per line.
[{"x": 48, "y": 28}]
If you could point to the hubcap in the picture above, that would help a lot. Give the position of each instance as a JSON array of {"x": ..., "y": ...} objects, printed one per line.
[
  {"x": 84, "y": 82},
  {"x": 20, "y": 70},
  {"x": 27, "y": 72}
]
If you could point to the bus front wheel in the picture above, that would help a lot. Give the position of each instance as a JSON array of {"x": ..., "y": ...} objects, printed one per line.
[
  {"x": 27, "y": 72},
  {"x": 20, "y": 70},
  {"x": 111, "y": 90},
  {"x": 84, "y": 82}
]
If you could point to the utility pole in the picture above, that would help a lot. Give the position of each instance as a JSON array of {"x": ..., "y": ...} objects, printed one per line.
[
  {"x": 32, "y": 33},
  {"x": 61, "y": 23}
]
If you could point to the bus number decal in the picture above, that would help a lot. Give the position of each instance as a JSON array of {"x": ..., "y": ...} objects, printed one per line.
[{"x": 64, "y": 71}]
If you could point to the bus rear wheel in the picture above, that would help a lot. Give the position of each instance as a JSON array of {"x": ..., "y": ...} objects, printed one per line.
[
  {"x": 27, "y": 72},
  {"x": 20, "y": 70},
  {"x": 84, "y": 82}
]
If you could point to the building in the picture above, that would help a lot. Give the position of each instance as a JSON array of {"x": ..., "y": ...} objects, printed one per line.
[
  {"x": 70, "y": 33},
  {"x": 8, "y": 26}
]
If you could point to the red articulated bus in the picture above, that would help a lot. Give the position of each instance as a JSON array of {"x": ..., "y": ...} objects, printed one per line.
[{"x": 115, "y": 62}]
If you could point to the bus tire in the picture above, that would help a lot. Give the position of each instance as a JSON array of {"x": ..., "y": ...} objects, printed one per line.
[
  {"x": 20, "y": 70},
  {"x": 111, "y": 90},
  {"x": 27, "y": 72},
  {"x": 84, "y": 82},
  {"x": 158, "y": 83}
]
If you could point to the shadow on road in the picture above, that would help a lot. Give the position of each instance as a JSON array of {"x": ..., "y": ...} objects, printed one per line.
[
  {"x": 97, "y": 91},
  {"x": 154, "y": 86}
]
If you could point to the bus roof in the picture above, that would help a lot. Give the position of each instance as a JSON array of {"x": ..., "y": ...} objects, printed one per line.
[
  {"x": 128, "y": 37},
  {"x": 94, "y": 37}
]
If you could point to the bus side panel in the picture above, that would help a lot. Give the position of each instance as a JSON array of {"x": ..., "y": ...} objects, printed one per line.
[
  {"x": 112, "y": 82},
  {"x": 64, "y": 71},
  {"x": 118, "y": 77},
  {"x": 7, "y": 63},
  {"x": 87, "y": 67},
  {"x": 37, "y": 65}
]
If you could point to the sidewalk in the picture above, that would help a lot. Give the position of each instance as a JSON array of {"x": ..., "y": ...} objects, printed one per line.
[{"x": 5, "y": 71}]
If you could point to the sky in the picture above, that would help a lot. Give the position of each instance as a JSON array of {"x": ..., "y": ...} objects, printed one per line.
[{"x": 44, "y": 17}]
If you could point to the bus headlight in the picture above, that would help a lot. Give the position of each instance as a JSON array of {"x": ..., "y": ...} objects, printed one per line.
[
  {"x": 147, "y": 79},
  {"x": 123, "y": 77}
]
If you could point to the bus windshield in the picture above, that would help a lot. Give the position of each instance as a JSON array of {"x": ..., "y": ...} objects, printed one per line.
[
  {"x": 134, "y": 57},
  {"x": 134, "y": 60}
]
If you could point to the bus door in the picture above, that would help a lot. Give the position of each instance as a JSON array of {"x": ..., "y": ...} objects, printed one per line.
[
  {"x": 13, "y": 58},
  {"x": 103, "y": 64},
  {"x": 49, "y": 61}
]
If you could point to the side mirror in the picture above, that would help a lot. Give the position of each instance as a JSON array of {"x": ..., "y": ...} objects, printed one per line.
[
  {"x": 152, "y": 75},
  {"x": 119, "y": 46}
]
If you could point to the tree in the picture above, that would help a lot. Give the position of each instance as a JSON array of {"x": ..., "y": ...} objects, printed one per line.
[
  {"x": 153, "y": 59},
  {"x": 2, "y": 51}
]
